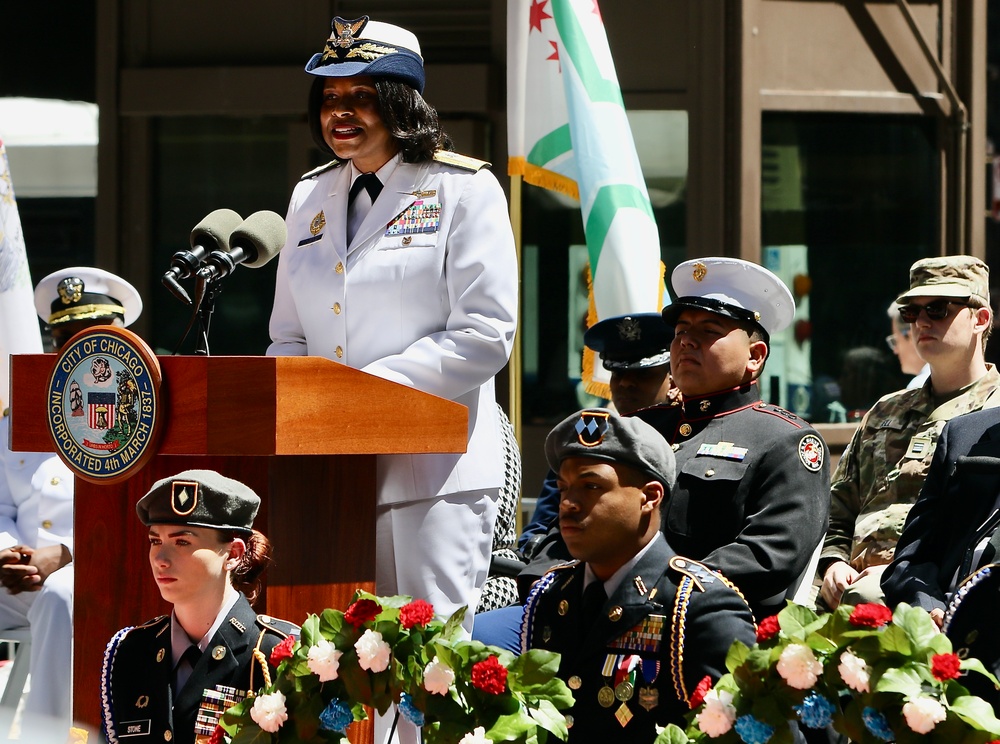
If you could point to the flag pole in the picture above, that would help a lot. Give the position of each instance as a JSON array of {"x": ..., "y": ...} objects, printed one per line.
[{"x": 514, "y": 367}]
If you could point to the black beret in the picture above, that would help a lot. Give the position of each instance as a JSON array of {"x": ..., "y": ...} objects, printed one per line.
[{"x": 200, "y": 498}]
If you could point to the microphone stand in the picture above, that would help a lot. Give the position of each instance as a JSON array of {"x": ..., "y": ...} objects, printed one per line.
[{"x": 207, "y": 292}]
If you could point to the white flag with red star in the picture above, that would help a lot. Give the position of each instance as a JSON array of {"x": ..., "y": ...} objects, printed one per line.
[
  {"x": 568, "y": 131},
  {"x": 19, "y": 333}
]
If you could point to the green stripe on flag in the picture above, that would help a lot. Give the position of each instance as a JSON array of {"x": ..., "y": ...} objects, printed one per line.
[
  {"x": 552, "y": 145},
  {"x": 599, "y": 89},
  {"x": 608, "y": 201}
]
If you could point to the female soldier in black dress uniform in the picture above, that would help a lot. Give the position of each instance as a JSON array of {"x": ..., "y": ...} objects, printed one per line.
[{"x": 170, "y": 678}]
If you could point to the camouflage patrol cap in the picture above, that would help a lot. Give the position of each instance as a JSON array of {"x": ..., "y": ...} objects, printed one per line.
[
  {"x": 948, "y": 276},
  {"x": 602, "y": 434},
  {"x": 200, "y": 498}
]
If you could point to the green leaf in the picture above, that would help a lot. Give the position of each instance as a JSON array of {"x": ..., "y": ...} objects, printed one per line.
[
  {"x": 976, "y": 712},
  {"x": 535, "y": 667},
  {"x": 510, "y": 727},
  {"x": 252, "y": 734},
  {"x": 736, "y": 655},
  {"x": 310, "y": 631},
  {"x": 795, "y": 621},
  {"x": 672, "y": 734},
  {"x": 903, "y": 680},
  {"x": 917, "y": 623},
  {"x": 550, "y": 719},
  {"x": 975, "y": 665},
  {"x": 895, "y": 640}
]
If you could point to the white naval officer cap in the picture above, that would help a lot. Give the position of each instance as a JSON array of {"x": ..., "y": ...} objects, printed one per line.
[
  {"x": 86, "y": 293},
  {"x": 732, "y": 287}
]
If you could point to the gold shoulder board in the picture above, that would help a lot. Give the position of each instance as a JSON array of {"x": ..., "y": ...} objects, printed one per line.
[
  {"x": 322, "y": 169},
  {"x": 459, "y": 161}
]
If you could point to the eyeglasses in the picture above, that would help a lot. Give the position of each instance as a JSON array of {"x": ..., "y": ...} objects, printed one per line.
[
  {"x": 936, "y": 310},
  {"x": 892, "y": 342}
]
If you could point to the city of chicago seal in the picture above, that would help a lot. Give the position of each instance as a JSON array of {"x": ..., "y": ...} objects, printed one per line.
[{"x": 103, "y": 404}]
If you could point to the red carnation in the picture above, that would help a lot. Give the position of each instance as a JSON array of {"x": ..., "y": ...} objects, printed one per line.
[
  {"x": 489, "y": 675},
  {"x": 417, "y": 612},
  {"x": 870, "y": 616},
  {"x": 768, "y": 628},
  {"x": 362, "y": 611},
  {"x": 698, "y": 696},
  {"x": 218, "y": 736},
  {"x": 282, "y": 651},
  {"x": 945, "y": 667}
]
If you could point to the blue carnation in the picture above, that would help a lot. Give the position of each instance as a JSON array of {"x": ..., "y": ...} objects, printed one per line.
[
  {"x": 752, "y": 731},
  {"x": 816, "y": 711},
  {"x": 410, "y": 711},
  {"x": 877, "y": 724},
  {"x": 337, "y": 716}
]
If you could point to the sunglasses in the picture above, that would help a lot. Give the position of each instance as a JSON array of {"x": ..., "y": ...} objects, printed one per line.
[{"x": 936, "y": 310}]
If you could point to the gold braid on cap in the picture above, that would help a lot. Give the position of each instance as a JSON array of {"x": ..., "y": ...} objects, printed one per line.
[{"x": 85, "y": 312}]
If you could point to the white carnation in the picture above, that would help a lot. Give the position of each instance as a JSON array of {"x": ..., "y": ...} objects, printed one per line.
[
  {"x": 373, "y": 652},
  {"x": 269, "y": 711},
  {"x": 324, "y": 660},
  {"x": 718, "y": 714},
  {"x": 923, "y": 714},
  {"x": 438, "y": 677},
  {"x": 799, "y": 667},
  {"x": 854, "y": 671},
  {"x": 476, "y": 737}
]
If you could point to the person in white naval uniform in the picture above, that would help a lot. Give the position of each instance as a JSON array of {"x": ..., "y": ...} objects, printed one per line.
[
  {"x": 412, "y": 278},
  {"x": 36, "y": 502}
]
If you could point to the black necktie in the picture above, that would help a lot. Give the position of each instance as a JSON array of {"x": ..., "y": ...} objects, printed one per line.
[
  {"x": 594, "y": 598},
  {"x": 191, "y": 655},
  {"x": 367, "y": 181}
]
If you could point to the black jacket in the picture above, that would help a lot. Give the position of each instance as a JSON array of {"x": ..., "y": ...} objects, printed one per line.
[
  {"x": 677, "y": 616},
  {"x": 136, "y": 698}
]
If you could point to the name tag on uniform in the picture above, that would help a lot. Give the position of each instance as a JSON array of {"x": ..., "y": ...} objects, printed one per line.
[
  {"x": 420, "y": 217},
  {"x": 135, "y": 728},
  {"x": 725, "y": 450},
  {"x": 311, "y": 240},
  {"x": 919, "y": 447}
]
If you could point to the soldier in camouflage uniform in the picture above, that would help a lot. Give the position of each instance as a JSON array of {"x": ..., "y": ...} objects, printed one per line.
[{"x": 883, "y": 468}]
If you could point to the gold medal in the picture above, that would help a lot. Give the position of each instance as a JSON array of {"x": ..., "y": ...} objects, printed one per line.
[
  {"x": 685, "y": 430},
  {"x": 624, "y": 715},
  {"x": 606, "y": 697},
  {"x": 624, "y": 690},
  {"x": 649, "y": 697},
  {"x": 575, "y": 683}
]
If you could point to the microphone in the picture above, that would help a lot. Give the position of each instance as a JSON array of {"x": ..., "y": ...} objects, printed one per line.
[
  {"x": 212, "y": 233},
  {"x": 255, "y": 242}
]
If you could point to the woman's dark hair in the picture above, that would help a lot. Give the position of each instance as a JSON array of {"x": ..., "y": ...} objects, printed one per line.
[
  {"x": 246, "y": 577},
  {"x": 412, "y": 122}
]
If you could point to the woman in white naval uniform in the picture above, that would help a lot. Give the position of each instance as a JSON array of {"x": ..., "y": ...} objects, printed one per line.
[{"x": 416, "y": 284}]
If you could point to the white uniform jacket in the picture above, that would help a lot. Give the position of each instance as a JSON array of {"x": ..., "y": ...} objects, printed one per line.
[
  {"x": 435, "y": 310},
  {"x": 36, "y": 497}
]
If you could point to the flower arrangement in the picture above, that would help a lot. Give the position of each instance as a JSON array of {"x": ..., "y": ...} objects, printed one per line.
[
  {"x": 873, "y": 674},
  {"x": 385, "y": 650}
]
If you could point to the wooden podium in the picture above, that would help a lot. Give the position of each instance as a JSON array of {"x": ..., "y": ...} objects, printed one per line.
[{"x": 303, "y": 432}]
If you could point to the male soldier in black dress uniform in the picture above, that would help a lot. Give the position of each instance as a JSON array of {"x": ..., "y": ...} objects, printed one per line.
[
  {"x": 753, "y": 484},
  {"x": 153, "y": 689},
  {"x": 637, "y": 625}
]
